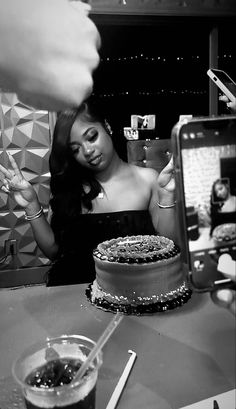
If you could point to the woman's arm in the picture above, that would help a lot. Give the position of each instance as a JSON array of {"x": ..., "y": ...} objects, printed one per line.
[
  {"x": 164, "y": 218},
  {"x": 42, "y": 231},
  {"x": 162, "y": 204},
  {"x": 15, "y": 185}
]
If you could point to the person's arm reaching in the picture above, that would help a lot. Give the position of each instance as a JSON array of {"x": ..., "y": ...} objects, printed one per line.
[
  {"x": 48, "y": 52},
  {"x": 25, "y": 196}
]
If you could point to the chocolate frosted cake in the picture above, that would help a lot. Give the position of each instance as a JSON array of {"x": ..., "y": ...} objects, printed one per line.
[{"x": 138, "y": 275}]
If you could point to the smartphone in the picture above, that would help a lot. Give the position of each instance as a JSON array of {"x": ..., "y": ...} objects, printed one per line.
[
  {"x": 224, "y": 82},
  {"x": 204, "y": 153}
]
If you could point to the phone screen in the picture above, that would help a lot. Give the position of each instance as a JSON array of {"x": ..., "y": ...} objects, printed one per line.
[{"x": 205, "y": 171}]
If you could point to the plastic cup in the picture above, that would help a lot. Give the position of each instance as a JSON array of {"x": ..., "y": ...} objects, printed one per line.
[{"x": 53, "y": 361}]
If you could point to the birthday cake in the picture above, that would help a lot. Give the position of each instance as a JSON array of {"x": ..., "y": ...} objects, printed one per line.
[{"x": 138, "y": 275}]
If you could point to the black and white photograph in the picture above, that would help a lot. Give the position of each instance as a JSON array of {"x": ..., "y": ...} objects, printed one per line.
[{"x": 117, "y": 204}]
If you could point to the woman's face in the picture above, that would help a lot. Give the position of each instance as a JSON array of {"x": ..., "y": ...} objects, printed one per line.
[
  {"x": 90, "y": 144},
  {"x": 221, "y": 191}
]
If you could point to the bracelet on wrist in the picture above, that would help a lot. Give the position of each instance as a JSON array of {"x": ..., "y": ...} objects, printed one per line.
[
  {"x": 166, "y": 206},
  {"x": 34, "y": 216}
]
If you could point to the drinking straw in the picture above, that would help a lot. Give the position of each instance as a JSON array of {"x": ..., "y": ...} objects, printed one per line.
[
  {"x": 98, "y": 346},
  {"x": 122, "y": 381}
]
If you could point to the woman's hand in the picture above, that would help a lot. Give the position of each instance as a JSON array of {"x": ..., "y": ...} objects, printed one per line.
[
  {"x": 226, "y": 297},
  {"x": 166, "y": 179},
  {"x": 230, "y": 105},
  {"x": 16, "y": 185}
]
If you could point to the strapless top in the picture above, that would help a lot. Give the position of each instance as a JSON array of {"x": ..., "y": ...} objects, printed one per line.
[{"x": 79, "y": 238}]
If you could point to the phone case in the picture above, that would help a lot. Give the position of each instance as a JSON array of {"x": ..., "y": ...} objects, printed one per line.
[{"x": 224, "y": 83}]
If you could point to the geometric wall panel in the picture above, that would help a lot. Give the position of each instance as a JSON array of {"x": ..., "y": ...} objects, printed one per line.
[
  {"x": 4, "y": 200},
  {"x": 25, "y": 133},
  {"x": 5, "y": 234}
]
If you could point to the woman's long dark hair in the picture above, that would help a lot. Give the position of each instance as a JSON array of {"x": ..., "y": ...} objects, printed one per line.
[{"x": 67, "y": 175}]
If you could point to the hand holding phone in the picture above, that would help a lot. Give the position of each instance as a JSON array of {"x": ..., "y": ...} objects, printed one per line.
[
  {"x": 227, "y": 266},
  {"x": 230, "y": 105},
  {"x": 226, "y": 298},
  {"x": 224, "y": 83},
  {"x": 204, "y": 154}
]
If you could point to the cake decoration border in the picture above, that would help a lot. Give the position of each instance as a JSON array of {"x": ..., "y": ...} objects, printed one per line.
[
  {"x": 125, "y": 249},
  {"x": 142, "y": 308}
]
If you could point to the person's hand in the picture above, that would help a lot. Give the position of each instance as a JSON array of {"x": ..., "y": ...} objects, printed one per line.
[
  {"x": 16, "y": 185},
  {"x": 230, "y": 105},
  {"x": 166, "y": 178},
  {"x": 48, "y": 52},
  {"x": 226, "y": 297}
]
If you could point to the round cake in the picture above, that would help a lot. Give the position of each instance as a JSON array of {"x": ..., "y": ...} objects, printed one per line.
[
  {"x": 225, "y": 232},
  {"x": 138, "y": 275}
]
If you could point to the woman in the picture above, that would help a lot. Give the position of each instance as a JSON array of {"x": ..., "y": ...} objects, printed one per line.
[
  {"x": 95, "y": 196},
  {"x": 223, "y": 204}
]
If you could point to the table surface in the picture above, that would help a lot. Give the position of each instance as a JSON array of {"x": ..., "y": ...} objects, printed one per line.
[
  {"x": 183, "y": 356},
  {"x": 205, "y": 241}
]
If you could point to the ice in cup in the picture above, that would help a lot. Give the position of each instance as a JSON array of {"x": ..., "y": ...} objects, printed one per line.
[{"x": 46, "y": 370}]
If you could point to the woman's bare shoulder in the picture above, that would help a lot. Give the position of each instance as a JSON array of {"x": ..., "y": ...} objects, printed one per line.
[{"x": 148, "y": 174}]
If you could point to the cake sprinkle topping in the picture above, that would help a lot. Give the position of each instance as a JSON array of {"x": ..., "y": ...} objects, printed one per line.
[{"x": 136, "y": 249}]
